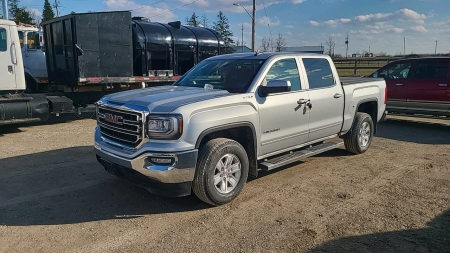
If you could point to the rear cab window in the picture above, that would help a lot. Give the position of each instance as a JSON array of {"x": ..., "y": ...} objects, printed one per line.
[
  {"x": 3, "y": 40},
  {"x": 319, "y": 73}
]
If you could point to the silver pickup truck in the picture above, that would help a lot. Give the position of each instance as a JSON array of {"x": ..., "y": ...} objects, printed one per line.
[{"x": 231, "y": 116}]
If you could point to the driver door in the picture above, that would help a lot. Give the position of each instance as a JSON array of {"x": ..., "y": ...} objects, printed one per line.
[
  {"x": 397, "y": 76},
  {"x": 283, "y": 122}
]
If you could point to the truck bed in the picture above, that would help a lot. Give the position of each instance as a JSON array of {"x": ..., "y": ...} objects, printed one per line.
[{"x": 355, "y": 80}]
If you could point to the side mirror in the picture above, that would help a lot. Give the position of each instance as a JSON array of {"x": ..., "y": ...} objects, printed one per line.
[
  {"x": 375, "y": 74},
  {"x": 274, "y": 86}
]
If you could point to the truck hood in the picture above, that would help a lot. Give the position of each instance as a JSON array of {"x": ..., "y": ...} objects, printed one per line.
[{"x": 163, "y": 99}]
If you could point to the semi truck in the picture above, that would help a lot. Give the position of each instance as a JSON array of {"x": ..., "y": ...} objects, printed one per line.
[{"x": 89, "y": 55}]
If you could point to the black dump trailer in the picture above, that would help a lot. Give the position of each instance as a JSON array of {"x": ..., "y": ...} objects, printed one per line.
[{"x": 112, "y": 49}]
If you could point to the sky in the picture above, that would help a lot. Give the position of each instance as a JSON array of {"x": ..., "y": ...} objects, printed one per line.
[{"x": 372, "y": 25}]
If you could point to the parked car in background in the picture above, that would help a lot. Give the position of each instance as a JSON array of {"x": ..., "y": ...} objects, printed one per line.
[{"x": 418, "y": 85}]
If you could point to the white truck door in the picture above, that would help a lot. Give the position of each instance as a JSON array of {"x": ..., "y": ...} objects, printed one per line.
[
  {"x": 283, "y": 121},
  {"x": 34, "y": 57},
  {"x": 327, "y": 99},
  {"x": 8, "y": 60}
]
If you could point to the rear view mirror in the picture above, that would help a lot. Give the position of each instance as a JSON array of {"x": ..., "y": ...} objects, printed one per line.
[{"x": 274, "y": 86}]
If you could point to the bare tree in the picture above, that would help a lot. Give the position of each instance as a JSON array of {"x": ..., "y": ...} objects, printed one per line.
[
  {"x": 267, "y": 44},
  {"x": 239, "y": 43},
  {"x": 330, "y": 44},
  {"x": 280, "y": 43},
  {"x": 204, "y": 20}
]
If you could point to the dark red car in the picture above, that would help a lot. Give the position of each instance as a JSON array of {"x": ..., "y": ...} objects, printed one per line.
[{"x": 418, "y": 85}]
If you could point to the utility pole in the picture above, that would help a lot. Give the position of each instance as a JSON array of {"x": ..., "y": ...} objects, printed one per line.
[
  {"x": 253, "y": 25},
  {"x": 56, "y": 7},
  {"x": 404, "y": 46},
  {"x": 5, "y": 9},
  {"x": 435, "y": 49},
  {"x": 242, "y": 41},
  {"x": 346, "y": 43}
]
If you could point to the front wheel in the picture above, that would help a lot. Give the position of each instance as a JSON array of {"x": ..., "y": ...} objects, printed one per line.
[
  {"x": 222, "y": 170},
  {"x": 359, "y": 138}
]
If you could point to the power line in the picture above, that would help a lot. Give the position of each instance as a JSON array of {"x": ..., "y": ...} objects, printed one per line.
[
  {"x": 268, "y": 21},
  {"x": 143, "y": 6},
  {"x": 162, "y": 13}
]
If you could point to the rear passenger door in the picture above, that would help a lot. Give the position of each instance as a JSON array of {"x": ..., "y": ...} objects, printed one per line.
[
  {"x": 326, "y": 99},
  {"x": 430, "y": 90}
]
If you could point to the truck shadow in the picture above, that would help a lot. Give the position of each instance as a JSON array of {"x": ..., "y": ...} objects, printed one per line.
[
  {"x": 434, "y": 238},
  {"x": 68, "y": 186},
  {"x": 410, "y": 130},
  {"x": 53, "y": 119}
]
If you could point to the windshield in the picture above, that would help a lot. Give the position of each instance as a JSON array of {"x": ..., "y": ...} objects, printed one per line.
[{"x": 233, "y": 75}]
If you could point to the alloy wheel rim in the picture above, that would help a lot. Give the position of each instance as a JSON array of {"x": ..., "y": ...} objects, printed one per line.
[
  {"x": 364, "y": 134},
  {"x": 227, "y": 173}
]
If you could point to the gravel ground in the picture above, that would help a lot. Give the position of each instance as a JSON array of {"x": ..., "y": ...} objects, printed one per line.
[{"x": 55, "y": 197}]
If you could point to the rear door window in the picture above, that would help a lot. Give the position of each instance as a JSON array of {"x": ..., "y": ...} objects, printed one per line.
[
  {"x": 431, "y": 69},
  {"x": 319, "y": 73}
]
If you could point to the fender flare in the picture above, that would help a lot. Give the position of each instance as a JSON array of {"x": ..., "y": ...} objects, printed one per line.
[{"x": 253, "y": 161}]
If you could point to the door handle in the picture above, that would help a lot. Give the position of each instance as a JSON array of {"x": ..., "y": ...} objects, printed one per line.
[
  {"x": 399, "y": 84},
  {"x": 443, "y": 85},
  {"x": 302, "y": 101},
  {"x": 13, "y": 54},
  {"x": 337, "y": 95}
]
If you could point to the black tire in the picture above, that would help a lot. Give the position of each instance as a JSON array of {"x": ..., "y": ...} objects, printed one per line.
[
  {"x": 210, "y": 155},
  {"x": 352, "y": 138}
]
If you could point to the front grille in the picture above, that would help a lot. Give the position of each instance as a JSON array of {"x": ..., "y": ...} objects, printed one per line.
[{"x": 122, "y": 126}]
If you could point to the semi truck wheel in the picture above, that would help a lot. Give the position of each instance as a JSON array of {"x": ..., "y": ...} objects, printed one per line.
[
  {"x": 359, "y": 138},
  {"x": 222, "y": 170}
]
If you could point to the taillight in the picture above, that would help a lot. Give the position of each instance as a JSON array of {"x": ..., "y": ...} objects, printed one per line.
[{"x": 385, "y": 95}]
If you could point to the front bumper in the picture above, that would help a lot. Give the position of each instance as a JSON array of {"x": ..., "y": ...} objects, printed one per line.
[{"x": 167, "y": 174}]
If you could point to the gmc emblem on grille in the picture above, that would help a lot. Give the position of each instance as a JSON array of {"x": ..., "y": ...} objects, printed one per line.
[{"x": 118, "y": 120}]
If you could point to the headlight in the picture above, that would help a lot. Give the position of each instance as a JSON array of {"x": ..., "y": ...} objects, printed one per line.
[{"x": 165, "y": 127}]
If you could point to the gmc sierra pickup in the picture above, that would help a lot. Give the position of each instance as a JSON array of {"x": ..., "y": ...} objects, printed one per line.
[{"x": 231, "y": 116}]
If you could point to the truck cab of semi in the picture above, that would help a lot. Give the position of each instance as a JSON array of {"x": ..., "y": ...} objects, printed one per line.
[
  {"x": 33, "y": 55},
  {"x": 16, "y": 106},
  {"x": 11, "y": 63}
]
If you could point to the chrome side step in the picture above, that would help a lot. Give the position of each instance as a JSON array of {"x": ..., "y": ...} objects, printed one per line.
[{"x": 295, "y": 156}]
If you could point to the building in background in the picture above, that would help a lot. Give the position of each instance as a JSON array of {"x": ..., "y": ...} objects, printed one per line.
[
  {"x": 306, "y": 49},
  {"x": 240, "y": 49}
]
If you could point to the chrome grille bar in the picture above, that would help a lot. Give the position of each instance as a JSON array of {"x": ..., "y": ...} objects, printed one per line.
[{"x": 121, "y": 125}]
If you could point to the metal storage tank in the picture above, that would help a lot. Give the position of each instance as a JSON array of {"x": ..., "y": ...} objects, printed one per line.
[{"x": 171, "y": 49}]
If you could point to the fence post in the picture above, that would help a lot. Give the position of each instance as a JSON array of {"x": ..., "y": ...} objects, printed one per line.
[{"x": 356, "y": 67}]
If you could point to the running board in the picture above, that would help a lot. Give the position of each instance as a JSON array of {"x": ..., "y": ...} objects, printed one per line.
[{"x": 279, "y": 161}]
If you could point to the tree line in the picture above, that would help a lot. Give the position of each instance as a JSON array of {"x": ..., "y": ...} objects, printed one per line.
[{"x": 20, "y": 14}]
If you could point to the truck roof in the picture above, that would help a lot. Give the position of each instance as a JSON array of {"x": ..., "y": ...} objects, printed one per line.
[
  {"x": 263, "y": 56},
  {"x": 7, "y": 22}
]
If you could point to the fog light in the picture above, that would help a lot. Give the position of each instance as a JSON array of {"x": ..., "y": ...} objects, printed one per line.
[{"x": 161, "y": 160}]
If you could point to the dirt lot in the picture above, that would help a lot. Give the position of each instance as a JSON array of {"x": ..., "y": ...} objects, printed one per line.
[{"x": 54, "y": 197}]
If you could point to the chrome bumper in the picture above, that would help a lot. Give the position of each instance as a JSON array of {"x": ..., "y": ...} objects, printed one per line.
[{"x": 167, "y": 168}]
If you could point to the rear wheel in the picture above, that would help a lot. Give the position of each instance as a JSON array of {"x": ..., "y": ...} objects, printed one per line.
[
  {"x": 359, "y": 138},
  {"x": 221, "y": 172}
]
